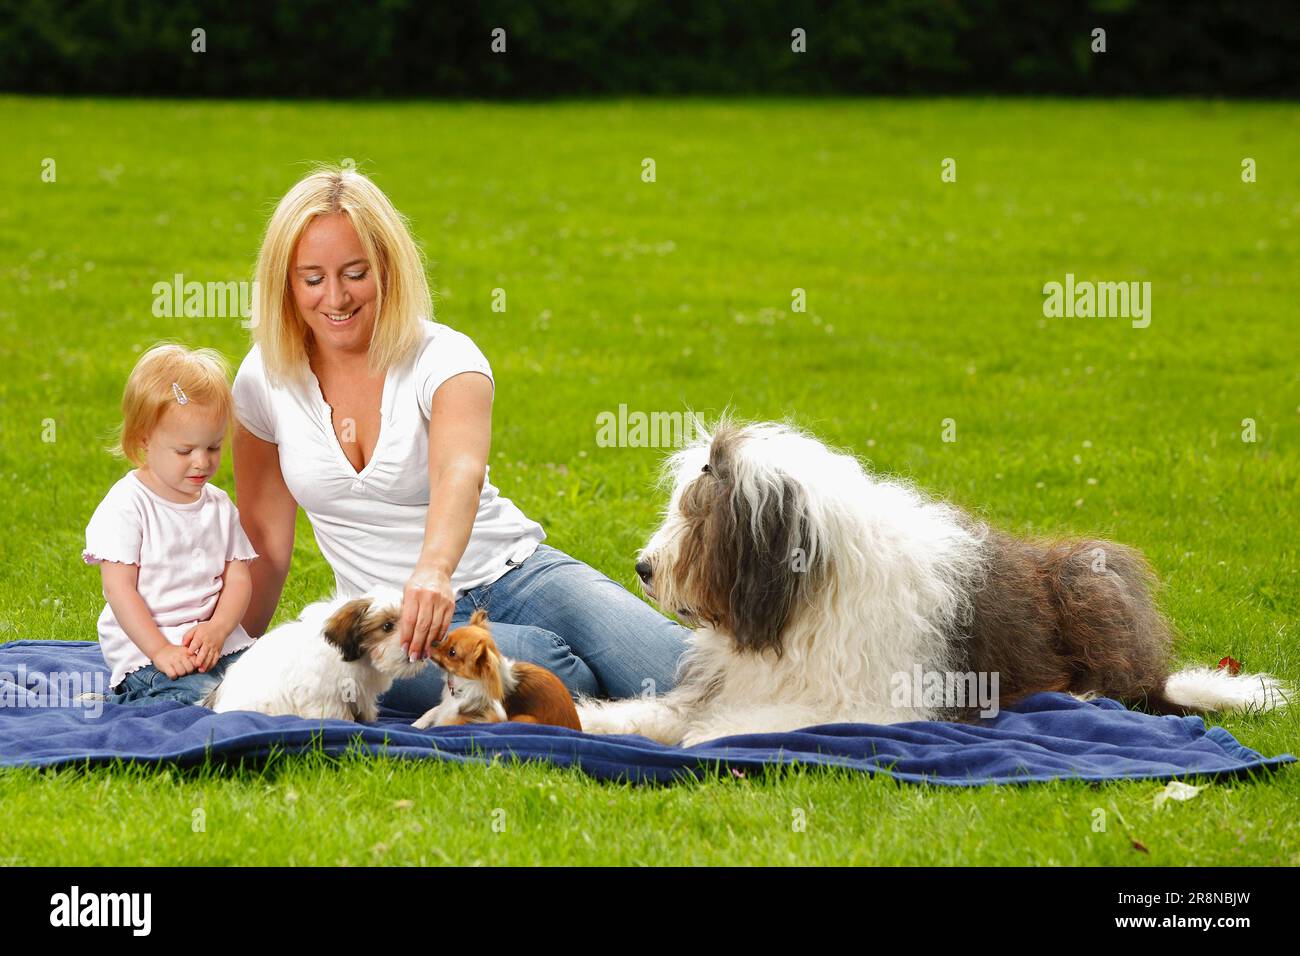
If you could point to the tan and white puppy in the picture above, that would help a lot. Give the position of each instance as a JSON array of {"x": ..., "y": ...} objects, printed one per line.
[
  {"x": 484, "y": 686},
  {"x": 333, "y": 662}
]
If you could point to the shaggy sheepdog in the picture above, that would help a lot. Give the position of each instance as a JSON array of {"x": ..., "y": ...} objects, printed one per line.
[{"x": 820, "y": 593}]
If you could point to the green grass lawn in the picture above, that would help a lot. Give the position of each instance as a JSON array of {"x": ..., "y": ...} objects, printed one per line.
[{"x": 924, "y": 304}]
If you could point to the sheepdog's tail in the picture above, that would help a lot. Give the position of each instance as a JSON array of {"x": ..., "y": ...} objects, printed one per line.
[
  {"x": 1202, "y": 690},
  {"x": 1121, "y": 643}
]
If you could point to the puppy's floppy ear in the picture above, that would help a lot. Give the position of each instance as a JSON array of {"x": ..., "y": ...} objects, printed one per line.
[
  {"x": 345, "y": 629},
  {"x": 479, "y": 618},
  {"x": 477, "y": 656},
  {"x": 482, "y": 662}
]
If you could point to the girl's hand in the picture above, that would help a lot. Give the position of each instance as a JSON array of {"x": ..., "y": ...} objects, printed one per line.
[
  {"x": 174, "y": 661},
  {"x": 205, "y": 641},
  {"x": 428, "y": 603}
]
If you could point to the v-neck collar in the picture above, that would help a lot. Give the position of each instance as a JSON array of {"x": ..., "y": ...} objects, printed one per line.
[{"x": 326, "y": 412}]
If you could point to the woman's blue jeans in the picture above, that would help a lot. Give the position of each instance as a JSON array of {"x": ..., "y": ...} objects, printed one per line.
[{"x": 555, "y": 611}]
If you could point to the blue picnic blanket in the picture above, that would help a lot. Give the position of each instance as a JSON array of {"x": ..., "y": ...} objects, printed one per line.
[{"x": 1046, "y": 737}]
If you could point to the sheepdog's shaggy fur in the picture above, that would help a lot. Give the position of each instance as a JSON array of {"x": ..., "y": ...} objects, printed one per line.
[{"x": 813, "y": 587}]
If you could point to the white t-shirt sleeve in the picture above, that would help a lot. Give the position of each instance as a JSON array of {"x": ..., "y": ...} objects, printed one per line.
[
  {"x": 447, "y": 354},
  {"x": 115, "y": 531},
  {"x": 238, "y": 547},
  {"x": 252, "y": 394}
]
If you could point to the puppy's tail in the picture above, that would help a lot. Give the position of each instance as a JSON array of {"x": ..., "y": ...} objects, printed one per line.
[{"x": 1199, "y": 690}]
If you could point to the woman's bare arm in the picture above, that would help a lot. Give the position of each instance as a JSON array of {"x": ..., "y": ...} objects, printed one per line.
[
  {"x": 269, "y": 514},
  {"x": 460, "y": 437}
]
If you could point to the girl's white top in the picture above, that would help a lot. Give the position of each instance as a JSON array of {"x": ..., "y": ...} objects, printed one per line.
[
  {"x": 182, "y": 551},
  {"x": 369, "y": 525}
]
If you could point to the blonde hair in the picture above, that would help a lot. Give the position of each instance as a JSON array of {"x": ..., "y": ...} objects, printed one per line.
[
  {"x": 201, "y": 376},
  {"x": 403, "y": 291}
]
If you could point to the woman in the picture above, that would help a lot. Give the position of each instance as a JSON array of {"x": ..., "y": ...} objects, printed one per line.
[{"x": 377, "y": 421}]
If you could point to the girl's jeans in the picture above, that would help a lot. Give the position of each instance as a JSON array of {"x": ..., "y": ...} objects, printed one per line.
[
  {"x": 555, "y": 611},
  {"x": 147, "y": 684}
]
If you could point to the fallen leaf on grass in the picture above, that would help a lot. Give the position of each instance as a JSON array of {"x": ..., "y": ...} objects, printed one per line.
[{"x": 1174, "y": 790}]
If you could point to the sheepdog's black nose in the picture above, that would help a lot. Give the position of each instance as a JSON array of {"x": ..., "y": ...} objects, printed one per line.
[{"x": 643, "y": 570}]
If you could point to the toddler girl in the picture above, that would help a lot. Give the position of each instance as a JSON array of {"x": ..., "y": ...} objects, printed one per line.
[{"x": 168, "y": 543}]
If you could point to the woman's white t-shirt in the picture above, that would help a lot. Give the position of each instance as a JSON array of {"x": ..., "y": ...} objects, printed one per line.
[
  {"x": 182, "y": 551},
  {"x": 370, "y": 525}
]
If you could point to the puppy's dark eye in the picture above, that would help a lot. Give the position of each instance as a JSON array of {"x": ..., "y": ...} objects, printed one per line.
[
  {"x": 388, "y": 625},
  {"x": 707, "y": 469},
  {"x": 452, "y": 652}
]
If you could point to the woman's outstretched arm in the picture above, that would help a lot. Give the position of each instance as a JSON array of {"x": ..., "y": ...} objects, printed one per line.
[
  {"x": 268, "y": 513},
  {"x": 460, "y": 437}
]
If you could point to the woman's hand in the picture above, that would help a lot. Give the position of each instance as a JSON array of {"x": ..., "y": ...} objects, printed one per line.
[{"x": 428, "y": 603}]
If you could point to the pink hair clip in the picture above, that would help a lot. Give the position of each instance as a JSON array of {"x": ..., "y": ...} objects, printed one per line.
[{"x": 181, "y": 397}]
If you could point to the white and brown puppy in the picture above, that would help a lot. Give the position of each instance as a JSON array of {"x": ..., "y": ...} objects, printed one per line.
[
  {"x": 334, "y": 661},
  {"x": 818, "y": 590}
]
